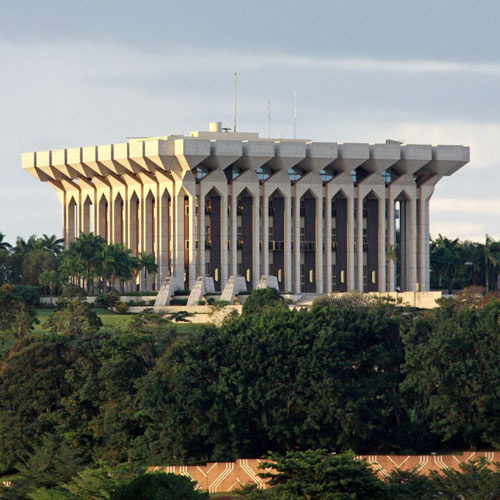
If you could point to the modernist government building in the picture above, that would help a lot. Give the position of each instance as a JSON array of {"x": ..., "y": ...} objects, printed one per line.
[{"x": 309, "y": 217}]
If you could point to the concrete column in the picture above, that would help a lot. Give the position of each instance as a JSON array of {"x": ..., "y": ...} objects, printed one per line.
[
  {"x": 319, "y": 245},
  {"x": 359, "y": 243},
  {"x": 192, "y": 240},
  {"x": 296, "y": 244},
  {"x": 381, "y": 247},
  {"x": 391, "y": 240},
  {"x": 178, "y": 241},
  {"x": 224, "y": 237},
  {"x": 256, "y": 256},
  {"x": 163, "y": 237},
  {"x": 350, "y": 244},
  {"x": 412, "y": 247},
  {"x": 288, "y": 244},
  {"x": 201, "y": 235},
  {"x": 423, "y": 243},
  {"x": 234, "y": 235},
  {"x": 265, "y": 233},
  {"x": 328, "y": 244}
]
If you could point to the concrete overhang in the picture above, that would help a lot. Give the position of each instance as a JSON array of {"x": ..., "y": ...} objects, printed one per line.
[
  {"x": 382, "y": 156},
  {"x": 413, "y": 157},
  {"x": 319, "y": 155},
  {"x": 255, "y": 154},
  {"x": 350, "y": 156},
  {"x": 446, "y": 160},
  {"x": 223, "y": 153}
]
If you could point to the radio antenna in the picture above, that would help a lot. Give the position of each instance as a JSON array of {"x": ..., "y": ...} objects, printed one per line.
[
  {"x": 295, "y": 113},
  {"x": 269, "y": 119},
  {"x": 234, "y": 101}
]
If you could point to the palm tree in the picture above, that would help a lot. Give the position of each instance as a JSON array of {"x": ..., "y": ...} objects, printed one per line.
[
  {"x": 446, "y": 259},
  {"x": 391, "y": 255},
  {"x": 4, "y": 245},
  {"x": 24, "y": 247},
  {"x": 147, "y": 263},
  {"x": 491, "y": 255},
  {"x": 84, "y": 256},
  {"x": 52, "y": 243}
]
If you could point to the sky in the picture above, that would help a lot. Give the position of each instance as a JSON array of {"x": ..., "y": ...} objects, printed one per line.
[{"x": 97, "y": 72}]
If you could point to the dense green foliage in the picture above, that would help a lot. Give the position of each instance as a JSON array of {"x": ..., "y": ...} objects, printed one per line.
[
  {"x": 347, "y": 374},
  {"x": 459, "y": 264},
  {"x": 45, "y": 264}
]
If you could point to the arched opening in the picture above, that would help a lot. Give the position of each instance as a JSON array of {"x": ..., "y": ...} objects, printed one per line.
[
  {"x": 165, "y": 257},
  {"x": 245, "y": 237},
  {"x": 102, "y": 207},
  {"x": 134, "y": 224},
  {"x": 339, "y": 243},
  {"x": 370, "y": 243},
  {"x": 118, "y": 219},
  {"x": 88, "y": 216},
  {"x": 402, "y": 236},
  {"x": 72, "y": 220},
  {"x": 276, "y": 217},
  {"x": 308, "y": 243},
  {"x": 213, "y": 237}
]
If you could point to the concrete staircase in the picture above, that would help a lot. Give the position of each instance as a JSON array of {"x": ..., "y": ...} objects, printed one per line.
[
  {"x": 268, "y": 282},
  {"x": 203, "y": 285},
  {"x": 234, "y": 286},
  {"x": 168, "y": 287}
]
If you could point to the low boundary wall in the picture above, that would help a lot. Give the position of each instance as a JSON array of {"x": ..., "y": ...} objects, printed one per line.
[{"x": 221, "y": 477}]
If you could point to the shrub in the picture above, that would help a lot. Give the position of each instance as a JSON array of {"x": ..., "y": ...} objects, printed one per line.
[
  {"x": 159, "y": 487},
  {"x": 121, "y": 307}
]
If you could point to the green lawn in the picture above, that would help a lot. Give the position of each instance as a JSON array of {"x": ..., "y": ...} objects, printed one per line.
[{"x": 109, "y": 320}]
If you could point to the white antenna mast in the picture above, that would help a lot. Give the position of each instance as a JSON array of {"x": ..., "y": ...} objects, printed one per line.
[
  {"x": 295, "y": 113},
  {"x": 234, "y": 101},
  {"x": 269, "y": 119}
]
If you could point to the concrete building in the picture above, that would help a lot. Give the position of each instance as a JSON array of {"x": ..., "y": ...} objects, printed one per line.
[{"x": 313, "y": 216}]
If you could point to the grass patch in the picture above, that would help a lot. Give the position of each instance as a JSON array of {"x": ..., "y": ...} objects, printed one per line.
[{"x": 109, "y": 320}]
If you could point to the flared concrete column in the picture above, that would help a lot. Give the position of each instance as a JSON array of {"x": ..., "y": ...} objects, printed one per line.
[
  {"x": 319, "y": 245},
  {"x": 350, "y": 245},
  {"x": 359, "y": 243},
  {"x": 328, "y": 244},
  {"x": 256, "y": 256},
  {"x": 288, "y": 243},
  {"x": 233, "y": 236},
  {"x": 296, "y": 245},
  {"x": 178, "y": 242},
  {"x": 192, "y": 240},
  {"x": 201, "y": 236},
  {"x": 381, "y": 246},
  {"x": 224, "y": 237},
  {"x": 391, "y": 240},
  {"x": 412, "y": 247},
  {"x": 265, "y": 234}
]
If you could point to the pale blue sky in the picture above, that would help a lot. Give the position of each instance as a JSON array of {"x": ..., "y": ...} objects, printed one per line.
[{"x": 80, "y": 73}]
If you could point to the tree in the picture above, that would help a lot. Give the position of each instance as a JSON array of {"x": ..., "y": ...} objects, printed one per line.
[
  {"x": 50, "y": 463},
  {"x": 158, "y": 486},
  {"x": 52, "y": 243},
  {"x": 452, "y": 373},
  {"x": 409, "y": 485},
  {"x": 491, "y": 255},
  {"x": 260, "y": 299},
  {"x": 74, "y": 317},
  {"x": 446, "y": 260},
  {"x": 83, "y": 258},
  {"x": 147, "y": 263},
  {"x": 4, "y": 245},
  {"x": 474, "y": 480},
  {"x": 320, "y": 475}
]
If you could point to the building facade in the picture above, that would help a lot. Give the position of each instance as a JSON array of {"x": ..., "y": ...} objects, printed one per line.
[{"x": 318, "y": 216}]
